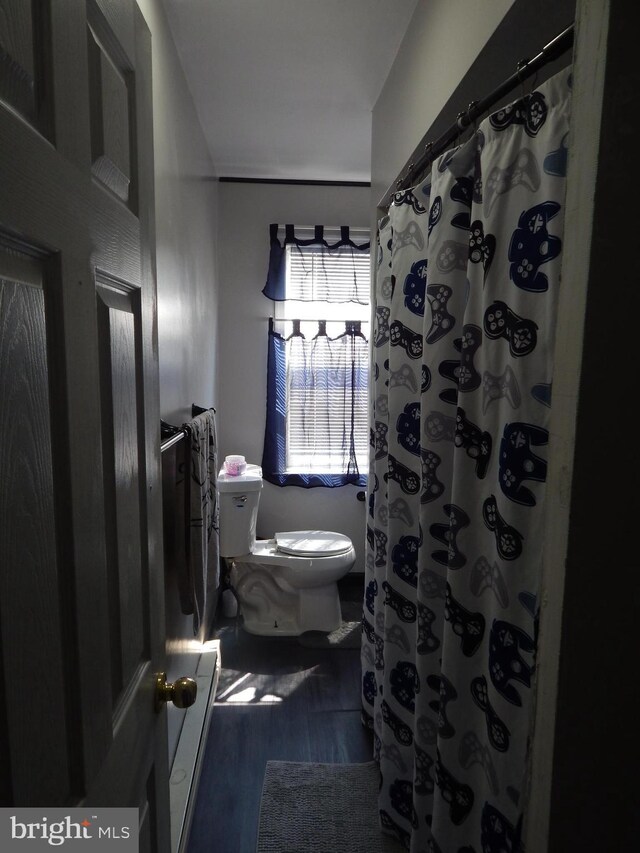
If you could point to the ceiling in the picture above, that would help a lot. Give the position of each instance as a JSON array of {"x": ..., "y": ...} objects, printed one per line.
[{"x": 284, "y": 89}]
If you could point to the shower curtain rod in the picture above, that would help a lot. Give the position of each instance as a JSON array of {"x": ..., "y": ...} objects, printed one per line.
[{"x": 526, "y": 68}]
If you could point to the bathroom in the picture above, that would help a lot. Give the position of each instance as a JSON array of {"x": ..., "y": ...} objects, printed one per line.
[
  {"x": 243, "y": 212},
  {"x": 211, "y": 245}
]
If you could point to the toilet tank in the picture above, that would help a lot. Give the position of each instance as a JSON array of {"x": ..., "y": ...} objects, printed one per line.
[{"x": 238, "y": 499}]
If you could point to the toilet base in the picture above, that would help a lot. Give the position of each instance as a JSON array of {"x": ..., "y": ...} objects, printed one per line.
[{"x": 272, "y": 608}]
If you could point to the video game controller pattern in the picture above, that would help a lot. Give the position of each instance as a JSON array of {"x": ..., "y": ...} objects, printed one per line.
[
  {"x": 403, "y": 377},
  {"x": 409, "y": 197},
  {"x": 520, "y": 333},
  {"x": 369, "y": 687},
  {"x": 435, "y": 214},
  {"x": 402, "y": 336},
  {"x": 432, "y": 487},
  {"x": 532, "y": 245},
  {"x": 381, "y": 331},
  {"x": 484, "y": 576},
  {"x": 402, "y": 732},
  {"x": 439, "y": 427},
  {"x": 399, "y": 508},
  {"x": 530, "y": 112},
  {"x": 408, "y": 428},
  {"x": 508, "y": 539},
  {"x": 426, "y": 730},
  {"x": 380, "y": 546},
  {"x": 377, "y": 642},
  {"x": 462, "y": 191},
  {"x": 523, "y": 171},
  {"x": 424, "y": 781},
  {"x": 446, "y": 693},
  {"x": 374, "y": 485},
  {"x": 401, "y": 798},
  {"x": 404, "y": 558},
  {"x": 499, "y": 735},
  {"x": 503, "y": 387},
  {"x": 442, "y": 321},
  {"x": 379, "y": 440},
  {"x": 392, "y": 752},
  {"x": 475, "y": 442},
  {"x": 497, "y": 834},
  {"x": 387, "y": 287},
  {"x": 408, "y": 480},
  {"x": 409, "y": 236},
  {"x": 425, "y": 383},
  {"x": 405, "y": 609},
  {"x": 381, "y": 406},
  {"x": 468, "y": 626},
  {"x": 370, "y": 595},
  {"x": 462, "y": 220},
  {"x": 428, "y": 642},
  {"x": 452, "y": 256},
  {"x": 462, "y": 371},
  {"x": 432, "y": 585},
  {"x": 473, "y": 752},
  {"x": 452, "y": 558},
  {"x": 394, "y": 635},
  {"x": 414, "y": 288},
  {"x": 457, "y": 795},
  {"x": 405, "y": 684},
  {"x": 518, "y": 463},
  {"x": 482, "y": 247},
  {"x": 506, "y": 663}
]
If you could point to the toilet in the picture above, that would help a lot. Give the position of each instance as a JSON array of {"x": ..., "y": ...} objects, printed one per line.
[{"x": 286, "y": 585}]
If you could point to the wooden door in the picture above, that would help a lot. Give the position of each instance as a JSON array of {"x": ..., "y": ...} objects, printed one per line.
[{"x": 81, "y": 573}]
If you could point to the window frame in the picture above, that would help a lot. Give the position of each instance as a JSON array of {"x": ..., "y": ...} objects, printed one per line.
[{"x": 338, "y": 316}]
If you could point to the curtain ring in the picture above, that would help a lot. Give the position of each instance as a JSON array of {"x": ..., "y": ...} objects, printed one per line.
[
  {"x": 520, "y": 68},
  {"x": 472, "y": 121}
]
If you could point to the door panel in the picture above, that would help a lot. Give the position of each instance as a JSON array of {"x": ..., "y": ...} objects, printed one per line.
[
  {"x": 81, "y": 606},
  {"x": 123, "y": 474},
  {"x": 25, "y": 68},
  {"x": 30, "y": 576},
  {"x": 111, "y": 89}
]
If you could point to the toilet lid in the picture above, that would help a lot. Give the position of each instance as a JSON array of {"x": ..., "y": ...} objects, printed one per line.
[{"x": 312, "y": 543}]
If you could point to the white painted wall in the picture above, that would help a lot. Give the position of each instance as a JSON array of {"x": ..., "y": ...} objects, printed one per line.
[
  {"x": 246, "y": 211},
  {"x": 186, "y": 226}
]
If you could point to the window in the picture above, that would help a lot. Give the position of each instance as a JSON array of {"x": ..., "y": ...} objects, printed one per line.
[{"x": 317, "y": 428}]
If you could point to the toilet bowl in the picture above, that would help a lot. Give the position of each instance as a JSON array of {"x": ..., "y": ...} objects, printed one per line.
[{"x": 285, "y": 585}]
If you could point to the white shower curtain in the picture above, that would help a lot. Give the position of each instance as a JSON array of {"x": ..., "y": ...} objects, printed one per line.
[{"x": 468, "y": 272}]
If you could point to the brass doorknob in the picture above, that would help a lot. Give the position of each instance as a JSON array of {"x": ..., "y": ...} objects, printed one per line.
[{"x": 182, "y": 692}]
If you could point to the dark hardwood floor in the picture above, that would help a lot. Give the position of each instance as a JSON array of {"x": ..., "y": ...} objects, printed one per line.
[{"x": 276, "y": 700}]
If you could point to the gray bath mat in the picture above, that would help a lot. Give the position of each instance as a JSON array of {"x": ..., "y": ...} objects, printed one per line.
[
  {"x": 347, "y": 636},
  {"x": 326, "y": 808}
]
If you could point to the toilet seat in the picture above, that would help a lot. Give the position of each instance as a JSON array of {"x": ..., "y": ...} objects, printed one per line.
[{"x": 312, "y": 543}]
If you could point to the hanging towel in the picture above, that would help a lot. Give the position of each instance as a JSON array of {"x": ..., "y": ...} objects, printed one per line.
[{"x": 203, "y": 531}]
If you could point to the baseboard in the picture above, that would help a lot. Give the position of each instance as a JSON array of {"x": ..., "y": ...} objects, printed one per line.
[{"x": 185, "y": 771}]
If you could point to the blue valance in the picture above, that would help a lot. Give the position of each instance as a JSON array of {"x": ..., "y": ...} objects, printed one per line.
[{"x": 275, "y": 287}]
